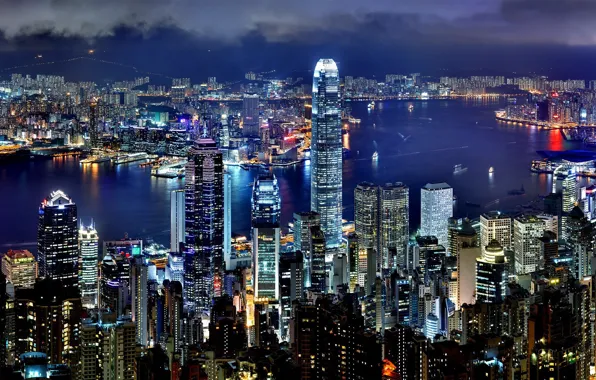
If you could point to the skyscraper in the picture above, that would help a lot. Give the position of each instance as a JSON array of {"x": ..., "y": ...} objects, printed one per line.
[
  {"x": 303, "y": 222},
  {"x": 88, "y": 265},
  {"x": 94, "y": 138},
  {"x": 491, "y": 274},
  {"x": 317, "y": 251},
  {"x": 227, "y": 239},
  {"x": 266, "y": 208},
  {"x": 326, "y": 151},
  {"x": 250, "y": 115},
  {"x": 436, "y": 207},
  {"x": 140, "y": 298},
  {"x": 20, "y": 268},
  {"x": 366, "y": 212},
  {"x": 177, "y": 220},
  {"x": 204, "y": 224},
  {"x": 57, "y": 239},
  {"x": 496, "y": 226},
  {"x": 394, "y": 225},
  {"x": 527, "y": 231}
]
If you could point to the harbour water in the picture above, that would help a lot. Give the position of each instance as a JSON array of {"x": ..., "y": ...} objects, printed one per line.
[{"x": 415, "y": 145}]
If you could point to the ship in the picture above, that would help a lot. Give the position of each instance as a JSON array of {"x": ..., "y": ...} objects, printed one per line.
[
  {"x": 371, "y": 105},
  {"x": 521, "y": 191},
  {"x": 459, "y": 168},
  {"x": 375, "y": 156},
  {"x": 411, "y": 107},
  {"x": 491, "y": 170},
  {"x": 95, "y": 159},
  {"x": 126, "y": 158}
]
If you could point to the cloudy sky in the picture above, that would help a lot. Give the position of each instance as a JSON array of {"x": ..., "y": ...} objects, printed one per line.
[{"x": 404, "y": 34}]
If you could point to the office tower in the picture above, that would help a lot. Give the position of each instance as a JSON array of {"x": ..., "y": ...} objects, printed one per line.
[
  {"x": 436, "y": 207},
  {"x": 303, "y": 222},
  {"x": 88, "y": 265},
  {"x": 265, "y": 216},
  {"x": 491, "y": 274},
  {"x": 402, "y": 288},
  {"x": 226, "y": 332},
  {"x": 20, "y": 268},
  {"x": 366, "y": 215},
  {"x": 317, "y": 250},
  {"x": 48, "y": 320},
  {"x": 431, "y": 326},
  {"x": 114, "y": 283},
  {"x": 549, "y": 249},
  {"x": 527, "y": 230},
  {"x": 496, "y": 226},
  {"x": 177, "y": 220},
  {"x": 94, "y": 135},
  {"x": 175, "y": 267},
  {"x": 139, "y": 292},
  {"x": 353, "y": 253},
  {"x": 291, "y": 270},
  {"x": 579, "y": 232},
  {"x": 394, "y": 226},
  {"x": 175, "y": 309},
  {"x": 326, "y": 151},
  {"x": 250, "y": 115},
  {"x": 463, "y": 243},
  {"x": 108, "y": 348},
  {"x": 227, "y": 230},
  {"x": 57, "y": 239},
  {"x": 204, "y": 194}
]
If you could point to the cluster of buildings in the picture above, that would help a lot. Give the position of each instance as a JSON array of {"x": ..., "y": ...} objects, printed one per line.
[{"x": 506, "y": 296}]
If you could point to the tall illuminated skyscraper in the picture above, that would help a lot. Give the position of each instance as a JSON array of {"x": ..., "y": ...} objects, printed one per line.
[
  {"x": 491, "y": 274},
  {"x": 204, "y": 193},
  {"x": 177, "y": 220},
  {"x": 527, "y": 231},
  {"x": 266, "y": 209},
  {"x": 57, "y": 239},
  {"x": 140, "y": 298},
  {"x": 94, "y": 135},
  {"x": 366, "y": 215},
  {"x": 436, "y": 207},
  {"x": 227, "y": 239},
  {"x": 88, "y": 265},
  {"x": 326, "y": 151},
  {"x": 394, "y": 225},
  {"x": 303, "y": 221}
]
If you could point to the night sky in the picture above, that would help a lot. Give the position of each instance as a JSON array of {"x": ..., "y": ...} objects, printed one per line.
[{"x": 225, "y": 38}]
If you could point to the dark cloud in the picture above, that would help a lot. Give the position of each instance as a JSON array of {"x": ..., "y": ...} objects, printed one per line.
[{"x": 441, "y": 21}]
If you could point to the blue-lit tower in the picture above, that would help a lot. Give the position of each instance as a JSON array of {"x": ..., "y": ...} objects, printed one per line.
[
  {"x": 326, "y": 151},
  {"x": 204, "y": 209},
  {"x": 266, "y": 208}
]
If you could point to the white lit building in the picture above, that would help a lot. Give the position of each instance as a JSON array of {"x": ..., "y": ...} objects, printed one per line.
[
  {"x": 436, "y": 207},
  {"x": 88, "y": 265}
]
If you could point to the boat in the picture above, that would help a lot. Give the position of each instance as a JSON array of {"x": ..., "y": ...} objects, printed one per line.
[
  {"x": 126, "y": 158},
  {"x": 375, "y": 156},
  {"x": 426, "y": 118},
  {"x": 94, "y": 160},
  {"x": 521, "y": 191},
  {"x": 470, "y": 204},
  {"x": 371, "y": 105},
  {"x": 491, "y": 170},
  {"x": 590, "y": 141},
  {"x": 459, "y": 168},
  {"x": 411, "y": 107},
  {"x": 353, "y": 120}
]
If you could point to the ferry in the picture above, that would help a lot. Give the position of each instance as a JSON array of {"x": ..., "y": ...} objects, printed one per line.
[
  {"x": 459, "y": 168},
  {"x": 491, "y": 170},
  {"x": 95, "y": 160},
  {"x": 375, "y": 156},
  {"x": 424, "y": 96},
  {"x": 541, "y": 166},
  {"x": 411, "y": 107},
  {"x": 371, "y": 105},
  {"x": 353, "y": 120},
  {"x": 126, "y": 158}
]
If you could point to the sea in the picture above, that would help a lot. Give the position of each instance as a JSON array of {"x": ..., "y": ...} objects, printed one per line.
[{"x": 417, "y": 142}]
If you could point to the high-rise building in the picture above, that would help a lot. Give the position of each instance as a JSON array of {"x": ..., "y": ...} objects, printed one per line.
[
  {"x": 140, "y": 298},
  {"x": 108, "y": 348},
  {"x": 495, "y": 225},
  {"x": 227, "y": 230},
  {"x": 177, "y": 220},
  {"x": 579, "y": 232},
  {"x": 366, "y": 215},
  {"x": 175, "y": 267},
  {"x": 303, "y": 222},
  {"x": 291, "y": 287},
  {"x": 394, "y": 227},
  {"x": 250, "y": 115},
  {"x": 94, "y": 135},
  {"x": 353, "y": 258},
  {"x": 57, "y": 239},
  {"x": 436, "y": 207},
  {"x": 204, "y": 194},
  {"x": 491, "y": 274},
  {"x": 88, "y": 265},
  {"x": 326, "y": 151},
  {"x": 318, "y": 275},
  {"x": 114, "y": 283},
  {"x": 265, "y": 216},
  {"x": 527, "y": 231},
  {"x": 20, "y": 268}
]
